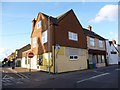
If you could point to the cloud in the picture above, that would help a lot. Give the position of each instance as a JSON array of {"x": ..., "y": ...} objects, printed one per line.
[
  {"x": 4, "y": 52},
  {"x": 108, "y": 12}
]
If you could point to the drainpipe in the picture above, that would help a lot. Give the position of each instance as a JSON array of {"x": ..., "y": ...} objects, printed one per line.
[
  {"x": 49, "y": 43},
  {"x": 54, "y": 51}
]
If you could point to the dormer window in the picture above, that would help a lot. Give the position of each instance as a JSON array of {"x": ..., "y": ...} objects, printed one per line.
[{"x": 38, "y": 24}]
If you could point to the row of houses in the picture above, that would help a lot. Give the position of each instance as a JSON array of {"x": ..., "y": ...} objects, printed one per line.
[{"x": 61, "y": 44}]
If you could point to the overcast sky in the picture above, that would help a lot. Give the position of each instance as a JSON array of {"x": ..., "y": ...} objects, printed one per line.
[{"x": 17, "y": 17}]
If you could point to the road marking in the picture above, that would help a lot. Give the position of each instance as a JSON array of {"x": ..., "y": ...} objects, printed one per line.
[
  {"x": 7, "y": 77},
  {"x": 24, "y": 76},
  {"x": 18, "y": 74},
  {"x": 117, "y": 69},
  {"x": 93, "y": 77},
  {"x": 97, "y": 71}
]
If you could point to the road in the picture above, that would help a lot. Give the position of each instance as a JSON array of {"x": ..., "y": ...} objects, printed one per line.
[
  {"x": 11, "y": 78},
  {"x": 106, "y": 77}
]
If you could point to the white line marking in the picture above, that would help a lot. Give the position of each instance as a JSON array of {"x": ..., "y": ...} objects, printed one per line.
[
  {"x": 19, "y": 74},
  {"x": 117, "y": 69},
  {"x": 98, "y": 71},
  {"x": 8, "y": 77},
  {"x": 24, "y": 75},
  {"x": 93, "y": 77}
]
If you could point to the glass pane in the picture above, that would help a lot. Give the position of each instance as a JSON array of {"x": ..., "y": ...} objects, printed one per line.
[
  {"x": 75, "y": 57},
  {"x": 99, "y": 59},
  {"x": 71, "y": 57}
]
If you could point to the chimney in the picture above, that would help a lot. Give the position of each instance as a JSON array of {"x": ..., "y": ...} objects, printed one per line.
[
  {"x": 33, "y": 23},
  {"x": 113, "y": 42},
  {"x": 89, "y": 28}
]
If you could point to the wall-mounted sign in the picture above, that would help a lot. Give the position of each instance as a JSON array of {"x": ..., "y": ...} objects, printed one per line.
[{"x": 57, "y": 47}]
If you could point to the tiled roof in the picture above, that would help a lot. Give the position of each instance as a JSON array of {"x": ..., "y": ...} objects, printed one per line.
[
  {"x": 93, "y": 34},
  {"x": 59, "y": 18}
]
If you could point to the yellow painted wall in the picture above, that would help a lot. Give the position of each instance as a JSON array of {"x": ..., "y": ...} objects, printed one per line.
[
  {"x": 46, "y": 62},
  {"x": 64, "y": 64}
]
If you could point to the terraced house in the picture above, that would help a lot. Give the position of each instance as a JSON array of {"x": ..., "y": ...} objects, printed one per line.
[
  {"x": 58, "y": 43},
  {"x": 96, "y": 46}
]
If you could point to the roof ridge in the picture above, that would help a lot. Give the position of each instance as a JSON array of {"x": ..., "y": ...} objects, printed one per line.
[{"x": 93, "y": 33}]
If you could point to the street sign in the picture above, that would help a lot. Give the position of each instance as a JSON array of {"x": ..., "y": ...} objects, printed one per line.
[
  {"x": 57, "y": 47},
  {"x": 30, "y": 55}
]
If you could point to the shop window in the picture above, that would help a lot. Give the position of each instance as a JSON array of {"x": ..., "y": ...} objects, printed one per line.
[
  {"x": 90, "y": 59},
  {"x": 99, "y": 58},
  {"x": 103, "y": 59}
]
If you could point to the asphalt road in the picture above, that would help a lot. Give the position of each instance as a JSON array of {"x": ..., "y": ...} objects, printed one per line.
[
  {"x": 106, "y": 77},
  {"x": 11, "y": 78}
]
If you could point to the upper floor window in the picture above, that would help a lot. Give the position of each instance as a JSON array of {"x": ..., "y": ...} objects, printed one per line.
[
  {"x": 73, "y": 36},
  {"x": 34, "y": 41},
  {"x": 100, "y": 44},
  {"x": 44, "y": 37},
  {"x": 38, "y": 24},
  {"x": 92, "y": 42}
]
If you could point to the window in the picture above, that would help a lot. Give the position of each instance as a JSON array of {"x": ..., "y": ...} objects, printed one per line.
[
  {"x": 25, "y": 60},
  {"x": 29, "y": 61},
  {"x": 103, "y": 59},
  {"x": 34, "y": 42},
  {"x": 73, "y": 36},
  {"x": 73, "y": 57},
  {"x": 38, "y": 24},
  {"x": 40, "y": 60},
  {"x": 92, "y": 42},
  {"x": 90, "y": 59},
  {"x": 100, "y": 44},
  {"x": 44, "y": 37},
  {"x": 99, "y": 58}
]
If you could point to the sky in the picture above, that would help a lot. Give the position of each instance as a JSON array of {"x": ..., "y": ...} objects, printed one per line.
[{"x": 16, "y": 21}]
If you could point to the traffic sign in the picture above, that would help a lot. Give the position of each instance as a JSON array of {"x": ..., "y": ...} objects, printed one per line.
[{"x": 30, "y": 55}]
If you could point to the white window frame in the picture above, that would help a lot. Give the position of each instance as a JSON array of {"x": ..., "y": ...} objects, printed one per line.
[
  {"x": 39, "y": 24},
  {"x": 73, "y": 36},
  {"x": 92, "y": 42},
  {"x": 34, "y": 42},
  {"x": 103, "y": 59},
  {"x": 100, "y": 43},
  {"x": 73, "y": 57},
  {"x": 44, "y": 36}
]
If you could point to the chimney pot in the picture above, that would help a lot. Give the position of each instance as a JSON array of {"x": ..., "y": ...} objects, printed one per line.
[{"x": 89, "y": 28}]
